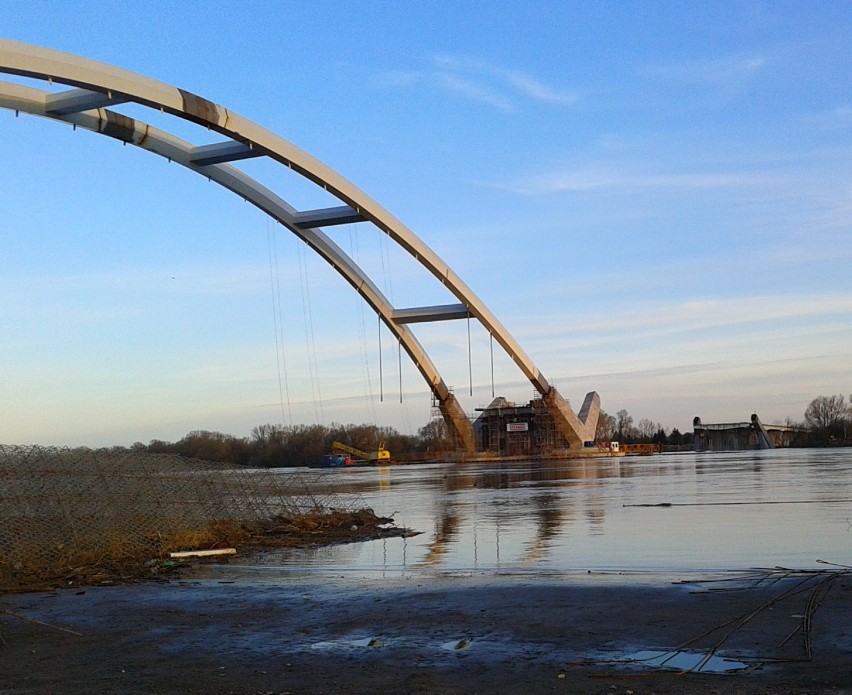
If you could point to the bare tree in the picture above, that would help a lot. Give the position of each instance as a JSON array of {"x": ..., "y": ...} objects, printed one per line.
[
  {"x": 606, "y": 427},
  {"x": 623, "y": 420},
  {"x": 624, "y": 425},
  {"x": 434, "y": 435},
  {"x": 647, "y": 429},
  {"x": 827, "y": 415}
]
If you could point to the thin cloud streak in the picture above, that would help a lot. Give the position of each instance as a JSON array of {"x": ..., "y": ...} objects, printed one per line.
[
  {"x": 712, "y": 71},
  {"x": 478, "y": 82},
  {"x": 538, "y": 91},
  {"x": 215, "y": 279},
  {"x": 602, "y": 178},
  {"x": 838, "y": 118},
  {"x": 473, "y": 92},
  {"x": 715, "y": 313}
]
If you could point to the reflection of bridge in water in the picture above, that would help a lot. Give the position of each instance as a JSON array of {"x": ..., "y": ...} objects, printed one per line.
[{"x": 550, "y": 517}]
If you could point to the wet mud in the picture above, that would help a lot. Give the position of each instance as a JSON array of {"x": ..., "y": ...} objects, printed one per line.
[{"x": 432, "y": 634}]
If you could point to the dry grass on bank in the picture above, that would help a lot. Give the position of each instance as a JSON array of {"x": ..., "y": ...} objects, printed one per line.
[
  {"x": 78, "y": 516},
  {"x": 282, "y": 531}
]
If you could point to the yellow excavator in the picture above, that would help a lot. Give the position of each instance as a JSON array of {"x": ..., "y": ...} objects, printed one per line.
[{"x": 381, "y": 455}]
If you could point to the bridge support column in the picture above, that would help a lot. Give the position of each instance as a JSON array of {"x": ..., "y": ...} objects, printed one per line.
[
  {"x": 460, "y": 427},
  {"x": 575, "y": 429},
  {"x": 763, "y": 439}
]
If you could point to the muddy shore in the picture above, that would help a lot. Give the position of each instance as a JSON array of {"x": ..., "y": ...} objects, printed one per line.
[{"x": 425, "y": 635}]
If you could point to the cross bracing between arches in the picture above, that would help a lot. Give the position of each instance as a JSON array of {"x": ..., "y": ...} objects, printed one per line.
[{"x": 96, "y": 86}]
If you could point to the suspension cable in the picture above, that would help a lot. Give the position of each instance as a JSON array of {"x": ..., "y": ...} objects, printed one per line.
[
  {"x": 491, "y": 336},
  {"x": 469, "y": 357},
  {"x": 355, "y": 252},
  {"x": 399, "y": 362},
  {"x": 381, "y": 375},
  {"x": 384, "y": 252},
  {"x": 278, "y": 321},
  {"x": 310, "y": 342}
]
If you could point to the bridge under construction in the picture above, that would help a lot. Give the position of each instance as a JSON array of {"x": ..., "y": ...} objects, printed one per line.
[
  {"x": 737, "y": 436},
  {"x": 85, "y": 93}
]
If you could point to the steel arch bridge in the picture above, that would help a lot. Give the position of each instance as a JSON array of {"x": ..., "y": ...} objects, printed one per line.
[{"x": 94, "y": 86}]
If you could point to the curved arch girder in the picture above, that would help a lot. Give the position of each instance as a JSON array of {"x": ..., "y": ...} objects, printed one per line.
[
  {"x": 99, "y": 85},
  {"x": 145, "y": 136}
]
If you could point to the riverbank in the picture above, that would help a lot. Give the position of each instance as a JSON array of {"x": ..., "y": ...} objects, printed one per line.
[{"x": 432, "y": 634}]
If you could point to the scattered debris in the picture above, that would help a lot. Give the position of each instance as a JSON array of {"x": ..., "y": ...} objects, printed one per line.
[
  {"x": 41, "y": 622},
  {"x": 204, "y": 553},
  {"x": 800, "y": 592},
  {"x": 686, "y": 661}
]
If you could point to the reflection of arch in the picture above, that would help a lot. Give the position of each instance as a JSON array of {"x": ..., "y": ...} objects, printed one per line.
[{"x": 98, "y": 85}]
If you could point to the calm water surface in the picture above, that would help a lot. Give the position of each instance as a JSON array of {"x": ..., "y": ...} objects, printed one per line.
[{"x": 669, "y": 512}]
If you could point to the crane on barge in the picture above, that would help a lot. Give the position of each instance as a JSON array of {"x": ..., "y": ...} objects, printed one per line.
[{"x": 380, "y": 455}]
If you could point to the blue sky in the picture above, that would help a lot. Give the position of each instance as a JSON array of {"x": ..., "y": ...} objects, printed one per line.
[{"x": 654, "y": 198}]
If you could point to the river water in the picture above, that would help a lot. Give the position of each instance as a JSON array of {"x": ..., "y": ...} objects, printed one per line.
[{"x": 662, "y": 513}]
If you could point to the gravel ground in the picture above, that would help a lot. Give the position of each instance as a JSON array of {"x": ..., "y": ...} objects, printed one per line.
[{"x": 428, "y": 635}]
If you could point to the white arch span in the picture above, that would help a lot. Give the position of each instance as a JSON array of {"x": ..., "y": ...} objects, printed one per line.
[{"x": 96, "y": 86}]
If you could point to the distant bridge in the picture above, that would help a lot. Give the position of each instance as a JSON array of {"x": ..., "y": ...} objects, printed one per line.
[
  {"x": 96, "y": 86},
  {"x": 737, "y": 436}
]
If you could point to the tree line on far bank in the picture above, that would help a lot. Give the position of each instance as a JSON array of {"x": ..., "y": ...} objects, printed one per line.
[
  {"x": 620, "y": 428},
  {"x": 302, "y": 445},
  {"x": 827, "y": 421},
  {"x": 296, "y": 445}
]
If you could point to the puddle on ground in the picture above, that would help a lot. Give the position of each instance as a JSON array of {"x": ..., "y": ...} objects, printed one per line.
[
  {"x": 435, "y": 647},
  {"x": 375, "y": 643},
  {"x": 697, "y": 662},
  {"x": 457, "y": 644}
]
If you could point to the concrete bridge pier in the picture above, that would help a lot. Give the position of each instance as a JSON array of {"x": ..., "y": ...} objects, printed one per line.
[{"x": 575, "y": 428}]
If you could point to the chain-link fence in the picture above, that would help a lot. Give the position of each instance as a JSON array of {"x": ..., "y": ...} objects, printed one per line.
[{"x": 62, "y": 508}]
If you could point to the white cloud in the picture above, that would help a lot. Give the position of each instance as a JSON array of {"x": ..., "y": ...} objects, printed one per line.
[
  {"x": 616, "y": 177},
  {"x": 538, "y": 91},
  {"x": 834, "y": 119},
  {"x": 479, "y": 82},
  {"x": 757, "y": 313},
  {"x": 712, "y": 71},
  {"x": 214, "y": 279},
  {"x": 399, "y": 78},
  {"x": 473, "y": 92}
]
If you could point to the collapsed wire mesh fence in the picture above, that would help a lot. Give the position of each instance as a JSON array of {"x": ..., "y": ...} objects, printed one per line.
[{"x": 62, "y": 507}]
